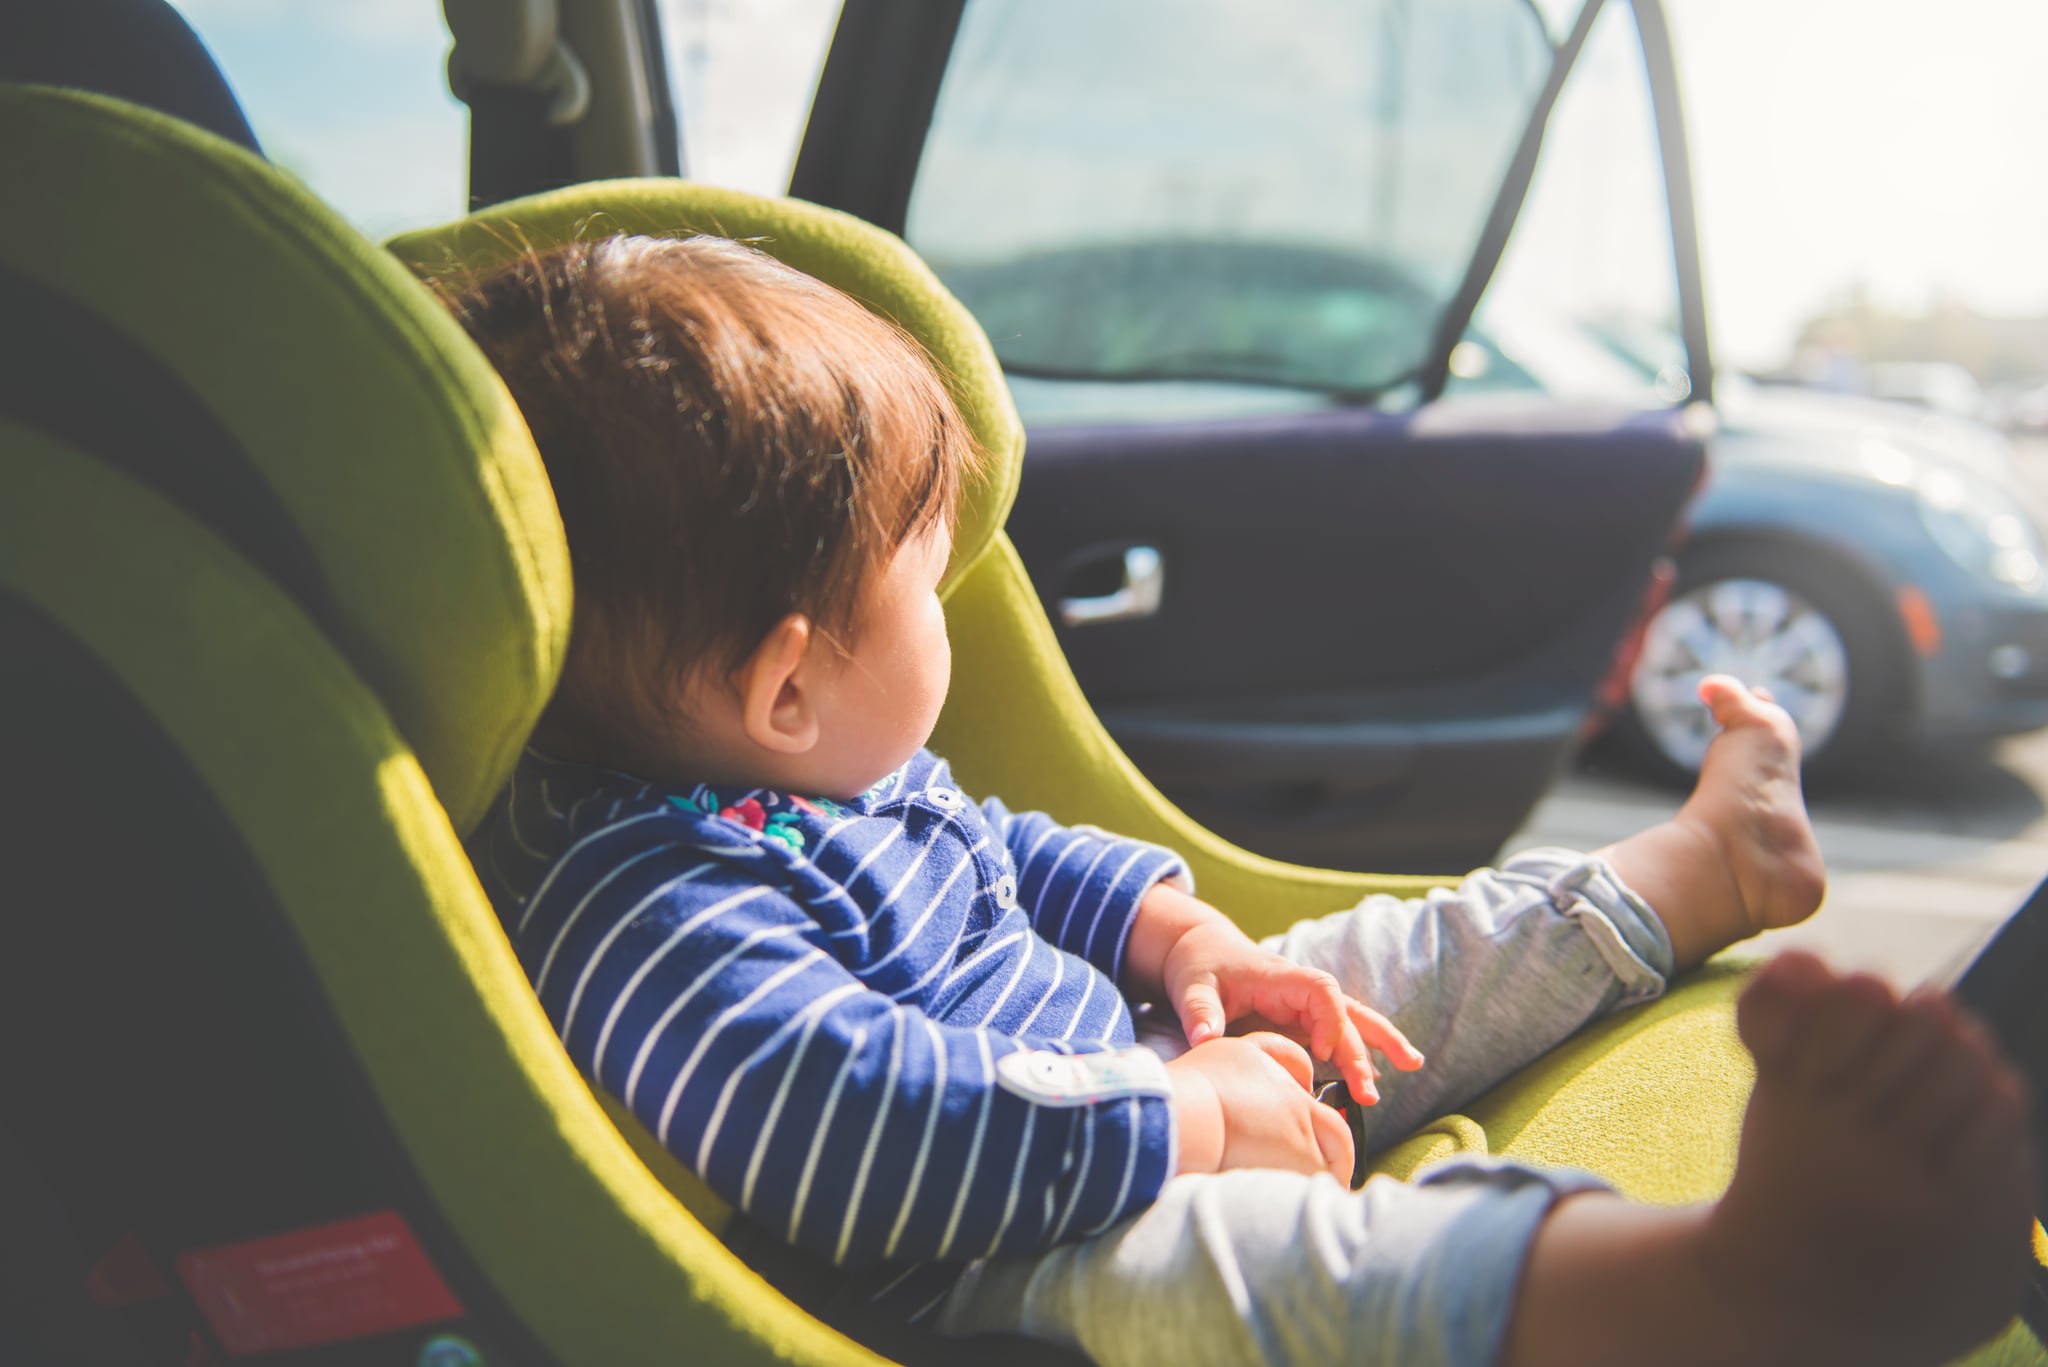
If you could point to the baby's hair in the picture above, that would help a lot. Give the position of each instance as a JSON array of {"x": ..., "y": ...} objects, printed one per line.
[{"x": 730, "y": 441}]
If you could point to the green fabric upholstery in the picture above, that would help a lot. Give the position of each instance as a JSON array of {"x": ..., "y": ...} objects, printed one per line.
[
  {"x": 570, "y": 1228},
  {"x": 1651, "y": 1100},
  {"x": 385, "y": 438}
]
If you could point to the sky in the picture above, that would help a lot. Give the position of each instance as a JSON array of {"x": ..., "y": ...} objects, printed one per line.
[
  {"x": 1894, "y": 145},
  {"x": 1902, "y": 145}
]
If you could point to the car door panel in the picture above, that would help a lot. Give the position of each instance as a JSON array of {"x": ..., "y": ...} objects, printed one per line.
[
  {"x": 1351, "y": 548},
  {"x": 1377, "y": 633}
]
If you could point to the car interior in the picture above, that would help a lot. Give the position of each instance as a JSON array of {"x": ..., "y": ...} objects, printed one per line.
[{"x": 282, "y": 593}]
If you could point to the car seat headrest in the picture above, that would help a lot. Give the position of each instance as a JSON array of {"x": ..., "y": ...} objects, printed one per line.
[
  {"x": 871, "y": 265},
  {"x": 189, "y": 315},
  {"x": 141, "y": 51}
]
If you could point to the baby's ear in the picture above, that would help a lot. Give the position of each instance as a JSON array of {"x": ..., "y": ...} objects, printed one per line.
[{"x": 777, "y": 709}]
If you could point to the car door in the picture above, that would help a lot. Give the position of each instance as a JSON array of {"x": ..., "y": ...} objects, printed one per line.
[{"x": 1226, "y": 253}]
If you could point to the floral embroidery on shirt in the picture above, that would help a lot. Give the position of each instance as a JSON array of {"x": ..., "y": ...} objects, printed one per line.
[
  {"x": 747, "y": 811},
  {"x": 753, "y": 813},
  {"x": 818, "y": 806}
]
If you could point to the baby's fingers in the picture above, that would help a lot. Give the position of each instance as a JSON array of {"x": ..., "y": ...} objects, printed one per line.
[
  {"x": 1335, "y": 1035},
  {"x": 1316, "y": 996},
  {"x": 1381, "y": 1034},
  {"x": 1200, "y": 1008},
  {"x": 1356, "y": 1067}
]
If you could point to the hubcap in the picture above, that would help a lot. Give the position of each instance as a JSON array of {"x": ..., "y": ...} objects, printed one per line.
[{"x": 1761, "y": 633}]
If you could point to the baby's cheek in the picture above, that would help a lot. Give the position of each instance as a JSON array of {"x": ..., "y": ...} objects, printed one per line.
[
  {"x": 944, "y": 673},
  {"x": 936, "y": 663}
]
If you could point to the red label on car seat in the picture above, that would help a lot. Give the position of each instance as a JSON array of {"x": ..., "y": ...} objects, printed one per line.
[{"x": 321, "y": 1285}]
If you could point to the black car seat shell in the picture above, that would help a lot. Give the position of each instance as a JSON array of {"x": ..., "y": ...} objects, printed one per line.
[{"x": 141, "y": 51}]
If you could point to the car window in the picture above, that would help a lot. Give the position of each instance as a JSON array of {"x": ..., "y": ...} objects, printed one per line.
[
  {"x": 743, "y": 72},
  {"x": 1584, "y": 304},
  {"x": 352, "y": 98},
  {"x": 1236, "y": 197}
]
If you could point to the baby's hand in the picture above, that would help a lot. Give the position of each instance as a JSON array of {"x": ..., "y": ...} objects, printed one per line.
[
  {"x": 1214, "y": 974},
  {"x": 1244, "y": 1102}
]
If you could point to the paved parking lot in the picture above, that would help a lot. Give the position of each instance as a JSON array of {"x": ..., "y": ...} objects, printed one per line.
[{"x": 1925, "y": 858}]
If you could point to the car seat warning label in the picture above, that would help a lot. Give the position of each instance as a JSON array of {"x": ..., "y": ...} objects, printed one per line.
[{"x": 320, "y": 1285}]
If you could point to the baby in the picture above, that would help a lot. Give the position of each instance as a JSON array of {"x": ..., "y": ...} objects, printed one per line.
[{"x": 894, "y": 1028}]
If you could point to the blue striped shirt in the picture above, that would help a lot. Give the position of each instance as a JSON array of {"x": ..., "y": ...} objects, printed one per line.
[{"x": 810, "y": 1003}]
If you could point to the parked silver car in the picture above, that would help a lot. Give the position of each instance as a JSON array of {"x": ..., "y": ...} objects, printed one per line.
[{"x": 1873, "y": 564}]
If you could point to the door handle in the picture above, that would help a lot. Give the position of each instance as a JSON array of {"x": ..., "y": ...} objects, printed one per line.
[{"x": 1144, "y": 583}]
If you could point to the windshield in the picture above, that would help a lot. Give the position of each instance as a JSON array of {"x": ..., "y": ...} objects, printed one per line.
[{"x": 1285, "y": 194}]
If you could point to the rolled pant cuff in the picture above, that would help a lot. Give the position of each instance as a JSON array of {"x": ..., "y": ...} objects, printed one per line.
[
  {"x": 1476, "y": 1263},
  {"x": 1624, "y": 928}
]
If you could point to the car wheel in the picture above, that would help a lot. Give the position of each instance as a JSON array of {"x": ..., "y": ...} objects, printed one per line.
[{"x": 1775, "y": 621}]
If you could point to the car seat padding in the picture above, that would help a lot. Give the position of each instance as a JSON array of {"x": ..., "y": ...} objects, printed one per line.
[
  {"x": 371, "y": 885},
  {"x": 153, "y": 986},
  {"x": 142, "y": 51},
  {"x": 384, "y": 435},
  {"x": 86, "y": 382}
]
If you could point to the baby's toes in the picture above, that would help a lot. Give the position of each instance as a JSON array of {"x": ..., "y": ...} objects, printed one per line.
[
  {"x": 1797, "y": 1019},
  {"x": 1849, "y": 1028},
  {"x": 1774, "y": 1005},
  {"x": 1735, "y": 704},
  {"x": 1726, "y": 696}
]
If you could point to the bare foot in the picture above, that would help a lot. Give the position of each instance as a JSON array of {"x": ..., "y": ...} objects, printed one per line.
[
  {"x": 1748, "y": 805},
  {"x": 1883, "y": 1194}
]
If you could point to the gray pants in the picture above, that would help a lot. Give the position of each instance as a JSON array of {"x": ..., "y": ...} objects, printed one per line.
[{"x": 1253, "y": 1267}]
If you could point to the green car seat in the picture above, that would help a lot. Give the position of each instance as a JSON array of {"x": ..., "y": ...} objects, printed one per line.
[{"x": 282, "y": 590}]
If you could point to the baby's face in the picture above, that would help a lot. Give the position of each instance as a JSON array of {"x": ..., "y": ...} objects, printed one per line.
[{"x": 879, "y": 704}]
